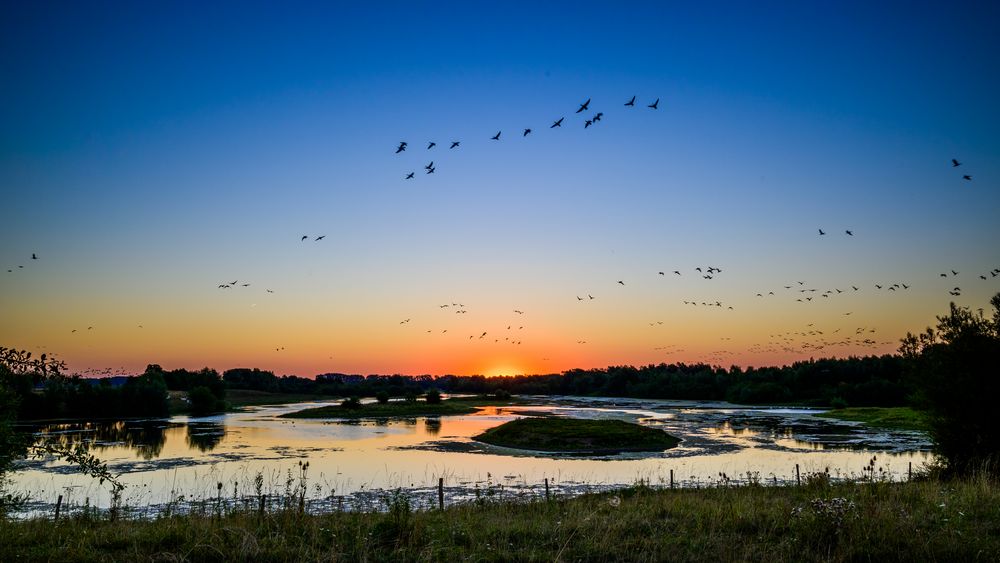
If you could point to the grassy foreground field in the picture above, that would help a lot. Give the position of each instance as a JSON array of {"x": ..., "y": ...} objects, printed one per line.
[
  {"x": 915, "y": 521},
  {"x": 898, "y": 418},
  {"x": 556, "y": 434}
]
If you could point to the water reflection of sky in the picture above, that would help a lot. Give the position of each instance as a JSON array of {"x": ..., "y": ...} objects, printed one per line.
[{"x": 160, "y": 459}]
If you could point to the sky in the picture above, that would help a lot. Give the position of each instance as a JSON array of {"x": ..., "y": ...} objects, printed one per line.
[{"x": 150, "y": 154}]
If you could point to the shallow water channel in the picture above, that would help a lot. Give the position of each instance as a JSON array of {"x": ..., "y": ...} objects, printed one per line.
[{"x": 176, "y": 463}]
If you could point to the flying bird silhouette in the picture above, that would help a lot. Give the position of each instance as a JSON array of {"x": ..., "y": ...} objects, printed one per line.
[
  {"x": 621, "y": 282},
  {"x": 587, "y": 123},
  {"x": 33, "y": 257},
  {"x": 304, "y": 237},
  {"x": 321, "y": 237},
  {"x": 429, "y": 166},
  {"x": 967, "y": 177},
  {"x": 431, "y": 145},
  {"x": 631, "y": 103},
  {"x": 401, "y": 147},
  {"x": 583, "y": 106},
  {"x": 557, "y": 123},
  {"x": 496, "y": 137},
  {"x": 821, "y": 232},
  {"x": 849, "y": 233},
  {"x": 409, "y": 176},
  {"x": 654, "y": 105},
  {"x": 431, "y": 170},
  {"x": 955, "y": 163},
  {"x": 454, "y": 144},
  {"x": 526, "y": 131}
]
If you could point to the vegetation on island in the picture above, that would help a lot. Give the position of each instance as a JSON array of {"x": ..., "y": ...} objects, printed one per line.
[
  {"x": 432, "y": 405},
  {"x": 576, "y": 435},
  {"x": 893, "y": 418}
]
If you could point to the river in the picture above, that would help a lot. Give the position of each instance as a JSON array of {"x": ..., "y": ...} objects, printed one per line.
[{"x": 180, "y": 462}]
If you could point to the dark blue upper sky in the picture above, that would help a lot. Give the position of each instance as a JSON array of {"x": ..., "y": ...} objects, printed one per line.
[{"x": 188, "y": 144}]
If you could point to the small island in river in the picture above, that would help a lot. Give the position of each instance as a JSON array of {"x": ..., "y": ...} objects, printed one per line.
[
  {"x": 402, "y": 409},
  {"x": 579, "y": 436}
]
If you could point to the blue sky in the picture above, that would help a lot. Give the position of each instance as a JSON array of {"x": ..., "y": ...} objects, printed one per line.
[{"x": 152, "y": 153}]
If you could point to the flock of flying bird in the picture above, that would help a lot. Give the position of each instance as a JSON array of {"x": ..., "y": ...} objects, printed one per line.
[
  {"x": 783, "y": 342},
  {"x": 805, "y": 340},
  {"x": 430, "y": 168}
]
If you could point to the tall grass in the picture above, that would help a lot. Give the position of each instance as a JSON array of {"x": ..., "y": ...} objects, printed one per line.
[{"x": 870, "y": 520}]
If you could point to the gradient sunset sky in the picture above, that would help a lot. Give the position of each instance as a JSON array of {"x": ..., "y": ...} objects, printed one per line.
[{"x": 149, "y": 154}]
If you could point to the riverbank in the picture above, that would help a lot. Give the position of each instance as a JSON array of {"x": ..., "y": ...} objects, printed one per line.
[
  {"x": 894, "y": 418},
  {"x": 405, "y": 409},
  {"x": 913, "y": 521}
]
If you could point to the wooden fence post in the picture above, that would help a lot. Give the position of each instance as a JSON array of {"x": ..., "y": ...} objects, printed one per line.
[
  {"x": 441, "y": 493},
  {"x": 671, "y": 478},
  {"x": 58, "y": 506},
  {"x": 909, "y": 472},
  {"x": 546, "y": 489},
  {"x": 798, "y": 478}
]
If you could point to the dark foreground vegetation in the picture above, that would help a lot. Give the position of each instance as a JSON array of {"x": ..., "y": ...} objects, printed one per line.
[
  {"x": 575, "y": 435},
  {"x": 927, "y": 520}
]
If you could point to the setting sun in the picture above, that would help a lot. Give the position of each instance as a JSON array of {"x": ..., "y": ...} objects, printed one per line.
[{"x": 503, "y": 370}]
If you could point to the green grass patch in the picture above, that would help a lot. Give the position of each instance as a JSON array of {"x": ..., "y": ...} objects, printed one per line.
[
  {"x": 403, "y": 409},
  {"x": 913, "y": 521},
  {"x": 575, "y": 435},
  {"x": 249, "y": 398},
  {"x": 897, "y": 418}
]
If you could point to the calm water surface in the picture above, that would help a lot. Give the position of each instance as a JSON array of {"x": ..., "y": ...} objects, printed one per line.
[{"x": 349, "y": 463}]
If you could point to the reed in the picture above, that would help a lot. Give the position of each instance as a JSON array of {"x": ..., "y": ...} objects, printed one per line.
[{"x": 921, "y": 520}]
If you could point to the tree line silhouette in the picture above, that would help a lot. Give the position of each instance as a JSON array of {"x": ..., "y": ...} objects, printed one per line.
[
  {"x": 866, "y": 381},
  {"x": 854, "y": 381}
]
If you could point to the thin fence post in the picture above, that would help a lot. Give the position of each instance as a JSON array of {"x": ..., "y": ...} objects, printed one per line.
[
  {"x": 671, "y": 478},
  {"x": 909, "y": 472},
  {"x": 441, "y": 493},
  {"x": 798, "y": 478},
  {"x": 58, "y": 506},
  {"x": 263, "y": 501},
  {"x": 546, "y": 489}
]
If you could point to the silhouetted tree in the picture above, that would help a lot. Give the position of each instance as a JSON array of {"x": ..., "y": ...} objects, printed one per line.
[{"x": 954, "y": 370}]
